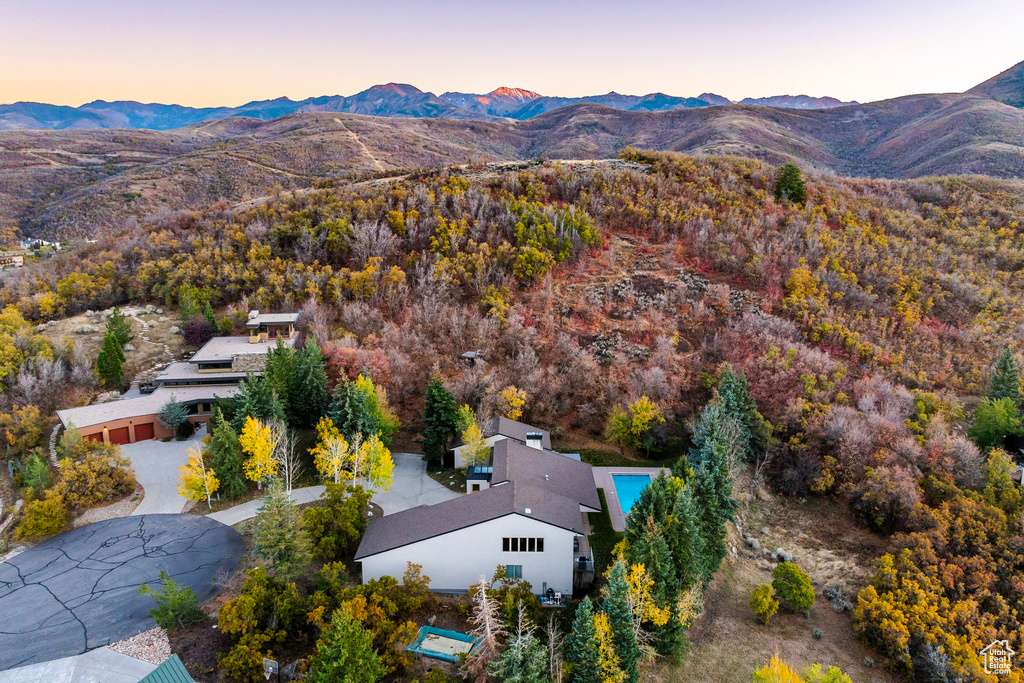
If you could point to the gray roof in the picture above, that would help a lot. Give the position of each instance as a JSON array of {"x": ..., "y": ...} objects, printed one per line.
[
  {"x": 272, "y": 319},
  {"x": 515, "y": 430},
  {"x": 223, "y": 349},
  {"x": 189, "y": 371},
  {"x": 149, "y": 404},
  {"x": 551, "y": 486}
]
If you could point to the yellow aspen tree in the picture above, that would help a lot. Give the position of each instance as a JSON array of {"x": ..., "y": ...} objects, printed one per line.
[
  {"x": 257, "y": 439},
  {"x": 476, "y": 449},
  {"x": 332, "y": 452},
  {"x": 371, "y": 460},
  {"x": 195, "y": 481},
  {"x": 611, "y": 672},
  {"x": 513, "y": 402}
]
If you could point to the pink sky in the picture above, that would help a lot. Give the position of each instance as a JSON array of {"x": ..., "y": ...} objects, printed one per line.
[{"x": 227, "y": 52}]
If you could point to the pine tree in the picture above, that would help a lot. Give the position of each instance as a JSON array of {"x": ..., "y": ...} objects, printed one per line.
[
  {"x": 256, "y": 399},
  {"x": 352, "y": 412},
  {"x": 226, "y": 457},
  {"x": 279, "y": 542},
  {"x": 525, "y": 659},
  {"x": 173, "y": 414},
  {"x": 616, "y": 607},
  {"x": 582, "y": 652},
  {"x": 1005, "y": 381},
  {"x": 279, "y": 374},
  {"x": 209, "y": 317},
  {"x": 345, "y": 653},
  {"x": 311, "y": 380},
  {"x": 110, "y": 362},
  {"x": 37, "y": 475},
  {"x": 685, "y": 541},
  {"x": 789, "y": 185},
  {"x": 711, "y": 518},
  {"x": 736, "y": 401},
  {"x": 119, "y": 327},
  {"x": 440, "y": 421}
]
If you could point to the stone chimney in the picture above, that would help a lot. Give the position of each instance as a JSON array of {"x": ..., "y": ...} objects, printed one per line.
[{"x": 535, "y": 440}]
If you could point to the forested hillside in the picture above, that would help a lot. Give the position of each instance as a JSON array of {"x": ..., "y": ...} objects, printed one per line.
[{"x": 866, "y": 320}]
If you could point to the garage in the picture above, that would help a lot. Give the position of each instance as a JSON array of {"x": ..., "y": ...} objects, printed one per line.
[
  {"x": 144, "y": 431},
  {"x": 95, "y": 436},
  {"x": 119, "y": 436}
]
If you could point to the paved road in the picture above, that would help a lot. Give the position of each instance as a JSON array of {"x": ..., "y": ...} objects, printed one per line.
[
  {"x": 410, "y": 486},
  {"x": 78, "y": 591},
  {"x": 156, "y": 465},
  {"x": 245, "y": 511}
]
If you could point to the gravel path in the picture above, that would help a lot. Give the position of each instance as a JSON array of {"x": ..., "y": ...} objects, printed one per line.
[
  {"x": 150, "y": 646},
  {"x": 121, "y": 508}
]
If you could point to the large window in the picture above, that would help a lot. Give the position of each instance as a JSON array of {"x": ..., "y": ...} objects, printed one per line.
[
  {"x": 514, "y": 571},
  {"x": 522, "y": 545}
]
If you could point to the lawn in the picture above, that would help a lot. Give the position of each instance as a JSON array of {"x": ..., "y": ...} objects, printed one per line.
[
  {"x": 603, "y": 538},
  {"x": 606, "y": 458}
]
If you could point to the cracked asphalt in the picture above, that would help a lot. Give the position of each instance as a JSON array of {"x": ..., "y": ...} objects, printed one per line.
[{"x": 79, "y": 590}]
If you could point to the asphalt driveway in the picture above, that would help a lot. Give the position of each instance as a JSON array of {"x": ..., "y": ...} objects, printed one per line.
[{"x": 157, "y": 465}]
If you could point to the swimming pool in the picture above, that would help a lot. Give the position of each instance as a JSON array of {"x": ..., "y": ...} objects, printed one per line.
[{"x": 628, "y": 488}]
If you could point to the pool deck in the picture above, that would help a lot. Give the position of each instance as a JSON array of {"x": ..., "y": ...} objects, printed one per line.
[{"x": 603, "y": 480}]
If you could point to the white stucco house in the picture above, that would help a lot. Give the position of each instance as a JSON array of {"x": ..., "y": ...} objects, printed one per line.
[
  {"x": 499, "y": 429},
  {"x": 529, "y": 518}
]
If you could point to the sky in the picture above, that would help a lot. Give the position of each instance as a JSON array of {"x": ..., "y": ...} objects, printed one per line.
[{"x": 227, "y": 52}]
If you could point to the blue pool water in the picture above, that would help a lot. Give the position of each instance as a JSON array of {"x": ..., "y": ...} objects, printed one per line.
[{"x": 628, "y": 488}]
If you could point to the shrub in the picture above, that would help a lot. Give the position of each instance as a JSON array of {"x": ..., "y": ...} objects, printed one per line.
[
  {"x": 197, "y": 331},
  {"x": 339, "y": 522},
  {"x": 818, "y": 634},
  {"x": 43, "y": 518},
  {"x": 835, "y": 594},
  {"x": 763, "y": 603},
  {"x": 176, "y": 605},
  {"x": 103, "y": 475},
  {"x": 793, "y": 587},
  {"x": 173, "y": 414}
]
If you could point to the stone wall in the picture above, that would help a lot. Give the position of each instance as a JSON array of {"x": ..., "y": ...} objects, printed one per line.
[{"x": 249, "y": 362}]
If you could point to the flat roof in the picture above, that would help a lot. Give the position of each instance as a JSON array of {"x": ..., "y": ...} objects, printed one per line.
[
  {"x": 150, "y": 404},
  {"x": 272, "y": 319},
  {"x": 188, "y": 371},
  {"x": 223, "y": 349}
]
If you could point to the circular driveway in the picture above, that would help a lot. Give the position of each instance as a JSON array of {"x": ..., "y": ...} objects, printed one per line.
[{"x": 79, "y": 590}]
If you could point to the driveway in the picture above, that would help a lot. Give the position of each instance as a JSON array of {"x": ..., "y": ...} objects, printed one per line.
[
  {"x": 411, "y": 486},
  {"x": 79, "y": 591},
  {"x": 157, "y": 465}
]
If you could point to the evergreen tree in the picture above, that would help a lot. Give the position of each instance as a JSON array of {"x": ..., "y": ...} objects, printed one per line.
[
  {"x": 37, "y": 475},
  {"x": 582, "y": 653},
  {"x": 736, "y": 401},
  {"x": 119, "y": 327},
  {"x": 711, "y": 517},
  {"x": 345, "y": 654},
  {"x": 525, "y": 659},
  {"x": 279, "y": 541},
  {"x": 110, "y": 363},
  {"x": 685, "y": 542},
  {"x": 226, "y": 457},
  {"x": 1005, "y": 381},
  {"x": 440, "y": 421},
  {"x": 209, "y": 317},
  {"x": 256, "y": 399},
  {"x": 616, "y": 607},
  {"x": 173, "y": 414},
  {"x": 280, "y": 374},
  {"x": 311, "y": 381},
  {"x": 789, "y": 185},
  {"x": 352, "y": 412}
]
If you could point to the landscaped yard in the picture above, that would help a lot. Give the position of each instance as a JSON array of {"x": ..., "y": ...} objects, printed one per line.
[{"x": 603, "y": 538}]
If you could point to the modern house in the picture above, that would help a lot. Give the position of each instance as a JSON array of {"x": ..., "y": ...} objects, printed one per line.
[
  {"x": 214, "y": 371},
  {"x": 499, "y": 429},
  {"x": 528, "y": 518}
]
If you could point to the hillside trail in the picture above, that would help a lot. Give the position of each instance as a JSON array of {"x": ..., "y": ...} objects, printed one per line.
[{"x": 355, "y": 138}]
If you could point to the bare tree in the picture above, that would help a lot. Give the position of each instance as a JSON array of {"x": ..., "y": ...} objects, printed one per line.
[
  {"x": 286, "y": 453},
  {"x": 555, "y": 658},
  {"x": 488, "y": 628}
]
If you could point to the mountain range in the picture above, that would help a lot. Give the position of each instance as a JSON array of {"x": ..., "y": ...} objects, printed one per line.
[{"x": 396, "y": 100}]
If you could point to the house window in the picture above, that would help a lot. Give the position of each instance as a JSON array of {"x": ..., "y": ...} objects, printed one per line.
[
  {"x": 476, "y": 487},
  {"x": 514, "y": 571},
  {"x": 522, "y": 545}
]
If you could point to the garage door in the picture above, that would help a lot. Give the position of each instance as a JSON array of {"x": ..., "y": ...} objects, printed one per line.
[
  {"x": 119, "y": 435},
  {"x": 144, "y": 431},
  {"x": 97, "y": 436}
]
